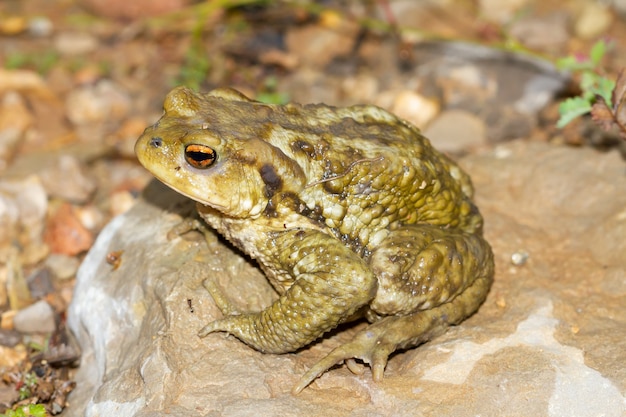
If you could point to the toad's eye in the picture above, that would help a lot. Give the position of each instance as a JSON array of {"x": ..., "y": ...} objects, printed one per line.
[{"x": 199, "y": 156}]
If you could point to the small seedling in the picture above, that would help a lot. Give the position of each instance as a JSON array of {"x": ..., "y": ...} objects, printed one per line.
[
  {"x": 610, "y": 114},
  {"x": 600, "y": 96}
]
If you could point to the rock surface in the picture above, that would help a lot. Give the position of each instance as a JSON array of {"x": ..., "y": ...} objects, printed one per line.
[{"x": 549, "y": 341}]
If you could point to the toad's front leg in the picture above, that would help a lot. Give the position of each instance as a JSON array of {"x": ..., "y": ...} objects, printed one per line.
[{"x": 330, "y": 284}]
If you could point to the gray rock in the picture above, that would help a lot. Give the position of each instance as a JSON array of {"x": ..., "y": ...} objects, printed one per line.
[
  {"x": 36, "y": 318},
  {"x": 504, "y": 88},
  {"x": 549, "y": 341}
]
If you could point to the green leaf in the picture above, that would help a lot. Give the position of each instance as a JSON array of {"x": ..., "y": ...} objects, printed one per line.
[
  {"x": 569, "y": 63},
  {"x": 38, "y": 410},
  {"x": 597, "y": 52},
  {"x": 605, "y": 89},
  {"x": 572, "y": 108}
]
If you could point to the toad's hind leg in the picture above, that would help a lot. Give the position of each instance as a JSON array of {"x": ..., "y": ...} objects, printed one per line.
[{"x": 448, "y": 275}]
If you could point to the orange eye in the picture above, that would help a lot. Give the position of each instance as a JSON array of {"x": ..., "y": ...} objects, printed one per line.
[{"x": 199, "y": 156}]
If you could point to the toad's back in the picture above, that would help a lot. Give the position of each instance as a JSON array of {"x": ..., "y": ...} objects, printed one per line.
[{"x": 365, "y": 170}]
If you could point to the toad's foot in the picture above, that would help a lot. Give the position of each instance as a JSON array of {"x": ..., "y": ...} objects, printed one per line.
[{"x": 374, "y": 344}]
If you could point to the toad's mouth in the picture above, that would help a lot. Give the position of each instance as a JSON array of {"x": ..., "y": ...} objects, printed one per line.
[{"x": 195, "y": 198}]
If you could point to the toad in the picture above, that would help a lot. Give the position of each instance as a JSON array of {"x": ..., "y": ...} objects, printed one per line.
[{"x": 350, "y": 213}]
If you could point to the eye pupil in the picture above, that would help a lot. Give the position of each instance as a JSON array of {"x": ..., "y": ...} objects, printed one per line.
[{"x": 200, "y": 156}]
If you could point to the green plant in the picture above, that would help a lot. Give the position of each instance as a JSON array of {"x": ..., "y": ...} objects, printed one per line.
[
  {"x": 604, "y": 98},
  {"x": 42, "y": 62},
  {"x": 28, "y": 384},
  {"x": 269, "y": 93},
  {"x": 195, "y": 66},
  {"x": 31, "y": 410}
]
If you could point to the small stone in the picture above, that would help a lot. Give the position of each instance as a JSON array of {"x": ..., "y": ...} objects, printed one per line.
[
  {"x": 593, "y": 20},
  {"x": 75, "y": 43},
  {"x": 361, "y": 88},
  {"x": 519, "y": 258},
  {"x": 40, "y": 26},
  {"x": 65, "y": 233},
  {"x": 36, "y": 318},
  {"x": 88, "y": 75},
  {"x": 67, "y": 179},
  {"x": 316, "y": 46},
  {"x": 62, "y": 266},
  {"x": 23, "y": 208},
  {"x": 12, "y": 25},
  {"x": 415, "y": 108},
  {"x": 9, "y": 338},
  {"x": 24, "y": 81},
  {"x": 121, "y": 202},
  {"x": 90, "y": 217},
  {"x": 500, "y": 11},
  {"x": 40, "y": 283},
  {"x": 104, "y": 101},
  {"x": 15, "y": 120},
  {"x": 10, "y": 357},
  {"x": 542, "y": 33},
  {"x": 456, "y": 131}
]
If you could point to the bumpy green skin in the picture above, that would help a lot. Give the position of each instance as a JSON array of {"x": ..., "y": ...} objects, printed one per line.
[{"x": 350, "y": 212}]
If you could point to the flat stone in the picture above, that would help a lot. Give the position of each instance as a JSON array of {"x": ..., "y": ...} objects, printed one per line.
[
  {"x": 550, "y": 339},
  {"x": 456, "y": 131},
  {"x": 36, "y": 318}
]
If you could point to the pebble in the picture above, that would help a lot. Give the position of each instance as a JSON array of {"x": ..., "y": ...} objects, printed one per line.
[
  {"x": 104, "y": 101},
  {"x": 18, "y": 293},
  {"x": 593, "y": 20},
  {"x": 415, "y": 108},
  {"x": 62, "y": 266},
  {"x": 547, "y": 33},
  {"x": 11, "y": 356},
  {"x": 15, "y": 120},
  {"x": 75, "y": 43},
  {"x": 500, "y": 11},
  {"x": 519, "y": 258},
  {"x": 23, "y": 209},
  {"x": 121, "y": 202},
  {"x": 40, "y": 26},
  {"x": 90, "y": 216},
  {"x": 361, "y": 88},
  {"x": 9, "y": 338},
  {"x": 316, "y": 46},
  {"x": 12, "y": 25},
  {"x": 67, "y": 179},
  {"x": 20, "y": 80},
  {"x": 65, "y": 233},
  {"x": 36, "y": 318},
  {"x": 456, "y": 131},
  {"x": 40, "y": 283}
]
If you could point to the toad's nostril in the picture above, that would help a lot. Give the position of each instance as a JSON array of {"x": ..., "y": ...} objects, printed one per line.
[{"x": 156, "y": 142}]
